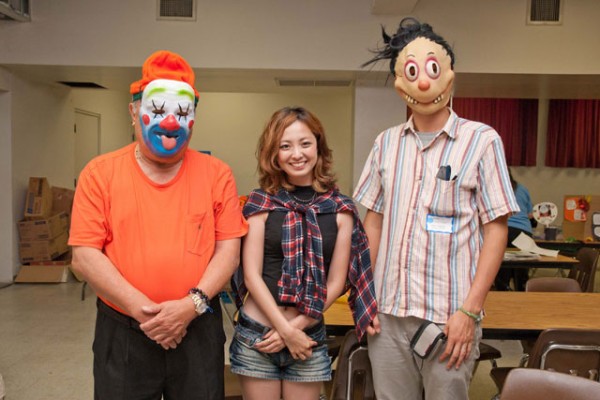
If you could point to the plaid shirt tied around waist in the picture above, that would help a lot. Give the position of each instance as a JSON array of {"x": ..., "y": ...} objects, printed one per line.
[{"x": 303, "y": 280}]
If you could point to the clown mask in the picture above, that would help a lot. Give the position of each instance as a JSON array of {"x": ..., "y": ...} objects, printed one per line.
[
  {"x": 166, "y": 116},
  {"x": 424, "y": 76}
]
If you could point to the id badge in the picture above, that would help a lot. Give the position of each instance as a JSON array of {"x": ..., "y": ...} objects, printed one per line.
[{"x": 436, "y": 223}]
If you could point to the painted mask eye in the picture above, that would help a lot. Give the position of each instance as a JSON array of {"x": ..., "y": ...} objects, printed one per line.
[
  {"x": 183, "y": 113},
  {"x": 432, "y": 68},
  {"x": 411, "y": 70},
  {"x": 158, "y": 110}
]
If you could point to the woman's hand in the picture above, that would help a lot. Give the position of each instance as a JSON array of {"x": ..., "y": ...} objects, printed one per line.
[
  {"x": 299, "y": 344},
  {"x": 270, "y": 343},
  {"x": 374, "y": 328}
]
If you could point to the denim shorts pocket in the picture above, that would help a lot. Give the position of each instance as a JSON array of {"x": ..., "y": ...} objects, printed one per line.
[
  {"x": 246, "y": 337},
  {"x": 319, "y": 336}
]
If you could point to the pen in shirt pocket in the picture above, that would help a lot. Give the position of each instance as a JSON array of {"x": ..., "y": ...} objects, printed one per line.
[{"x": 444, "y": 173}]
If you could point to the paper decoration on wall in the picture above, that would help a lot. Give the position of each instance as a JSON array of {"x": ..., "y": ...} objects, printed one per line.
[
  {"x": 596, "y": 225},
  {"x": 545, "y": 213},
  {"x": 576, "y": 208}
]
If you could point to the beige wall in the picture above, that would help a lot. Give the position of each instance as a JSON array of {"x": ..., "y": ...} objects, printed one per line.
[
  {"x": 113, "y": 108},
  {"x": 488, "y": 36},
  {"x": 8, "y": 231},
  {"x": 229, "y": 124}
]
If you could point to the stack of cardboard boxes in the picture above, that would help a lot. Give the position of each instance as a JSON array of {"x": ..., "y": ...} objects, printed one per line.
[{"x": 44, "y": 233}]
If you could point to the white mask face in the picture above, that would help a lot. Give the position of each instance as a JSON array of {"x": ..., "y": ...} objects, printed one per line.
[{"x": 167, "y": 117}]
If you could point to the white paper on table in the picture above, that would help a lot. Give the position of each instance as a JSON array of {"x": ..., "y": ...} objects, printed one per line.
[
  {"x": 526, "y": 243},
  {"x": 520, "y": 256}
]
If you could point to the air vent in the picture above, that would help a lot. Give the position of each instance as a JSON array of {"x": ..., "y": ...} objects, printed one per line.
[
  {"x": 179, "y": 10},
  {"x": 544, "y": 12},
  {"x": 82, "y": 85},
  {"x": 313, "y": 83}
]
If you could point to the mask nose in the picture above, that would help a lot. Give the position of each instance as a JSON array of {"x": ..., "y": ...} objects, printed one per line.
[
  {"x": 424, "y": 85},
  {"x": 169, "y": 123}
]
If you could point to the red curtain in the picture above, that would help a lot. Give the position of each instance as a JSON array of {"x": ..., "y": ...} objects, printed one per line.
[
  {"x": 573, "y": 138},
  {"x": 514, "y": 119}
]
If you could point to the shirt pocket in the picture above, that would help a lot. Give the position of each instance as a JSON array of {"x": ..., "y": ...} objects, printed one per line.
[
  {"x": 445, "y": 198},
  {"x": 197, "y": 235}
]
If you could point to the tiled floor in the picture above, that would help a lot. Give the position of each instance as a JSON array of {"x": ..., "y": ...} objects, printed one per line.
[{"x": 46, "y": 333}]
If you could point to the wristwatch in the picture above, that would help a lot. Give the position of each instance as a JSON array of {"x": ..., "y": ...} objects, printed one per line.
[{"x": 200, "y": 299}]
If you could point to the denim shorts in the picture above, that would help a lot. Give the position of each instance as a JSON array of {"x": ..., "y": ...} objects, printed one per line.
[{"x": 247, "y": 361}]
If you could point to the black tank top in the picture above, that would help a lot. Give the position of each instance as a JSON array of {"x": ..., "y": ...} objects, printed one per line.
[{"x": 273, "y": 253}]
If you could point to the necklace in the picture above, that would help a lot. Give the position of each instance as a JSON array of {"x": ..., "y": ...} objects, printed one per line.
[{"x": 304, "y": 201}]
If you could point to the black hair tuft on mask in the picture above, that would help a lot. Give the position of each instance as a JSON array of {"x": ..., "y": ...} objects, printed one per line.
[{"x": 408, "y": 30}]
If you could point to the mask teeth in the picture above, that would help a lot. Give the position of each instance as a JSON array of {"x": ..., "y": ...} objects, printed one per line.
[
  {"x": 411, "y": 100},
  {"x": 438, "y": 99}
]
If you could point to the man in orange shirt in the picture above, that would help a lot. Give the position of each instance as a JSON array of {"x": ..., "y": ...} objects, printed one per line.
[{"x": 156, "y": 231}]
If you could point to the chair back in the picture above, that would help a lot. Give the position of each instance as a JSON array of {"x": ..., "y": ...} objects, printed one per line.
[
  {"x": 535, "y": 384},
  {"x": 585, "y": 270},
  {"x": 570, "y": 351},
  {"x": 353, "y": 376},
  {"x": 552, "y": 284}
]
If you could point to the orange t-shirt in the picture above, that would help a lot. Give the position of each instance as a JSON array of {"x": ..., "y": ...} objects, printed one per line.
[{"x": 160, "y": 237}]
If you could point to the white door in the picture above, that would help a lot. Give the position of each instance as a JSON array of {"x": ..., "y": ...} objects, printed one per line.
[{"x": 87, "y": 139}]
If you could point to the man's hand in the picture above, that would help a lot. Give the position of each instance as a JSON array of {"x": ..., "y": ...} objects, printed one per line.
[
  {"x": 169, "y": 321},
  {"x": 460, "y": 331}
]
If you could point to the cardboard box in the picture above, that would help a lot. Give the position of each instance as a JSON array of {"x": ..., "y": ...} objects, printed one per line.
[
  {"x": 581, "y": 230},
  {"x": 43, "y": 250},
  {"x": 43, "y": 229},
  {"x": 38, "y": 202},
  {"x": 49, "y": 271},
  {"x": 43, "y": 274},
  {"x": 62, "y": 200}
]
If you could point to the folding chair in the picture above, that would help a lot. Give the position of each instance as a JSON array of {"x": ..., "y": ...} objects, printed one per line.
[
  {"x": 585, "y": 271},
  {"x": 353, "y": 377},
  {"x": 535, "y": 384},
  {"x": 570, "y": 351}
]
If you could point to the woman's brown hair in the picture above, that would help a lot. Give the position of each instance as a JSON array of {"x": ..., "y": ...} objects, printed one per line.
[{"x": 271, "y": 176}]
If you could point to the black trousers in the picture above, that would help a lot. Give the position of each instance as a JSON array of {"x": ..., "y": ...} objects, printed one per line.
[{"x": 130, "y": 366}]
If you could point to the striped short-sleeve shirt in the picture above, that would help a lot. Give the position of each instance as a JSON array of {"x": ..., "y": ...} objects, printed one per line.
[{"x": 419, "y": 271}]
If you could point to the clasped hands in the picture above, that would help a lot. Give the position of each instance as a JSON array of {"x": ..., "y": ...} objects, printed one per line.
[
  {"x": 299, "y": 344},
  {"x": 166, "y": 323}
]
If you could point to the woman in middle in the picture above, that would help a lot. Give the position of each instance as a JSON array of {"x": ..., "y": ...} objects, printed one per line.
[{"x": 304, "y": 247}]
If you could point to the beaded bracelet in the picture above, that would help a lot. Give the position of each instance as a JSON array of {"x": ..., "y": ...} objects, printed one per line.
[
  {"x": 474, "y": 316},
  {"x": 203, "y": 297},
  {"x": 200, "y": 293}
]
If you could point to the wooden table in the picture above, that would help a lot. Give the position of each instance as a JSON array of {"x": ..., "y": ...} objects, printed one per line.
[
  {"x": 511, "y": 315},
  {"x": 519, "y": 315},
  {"x": 559, "y": 261}
]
